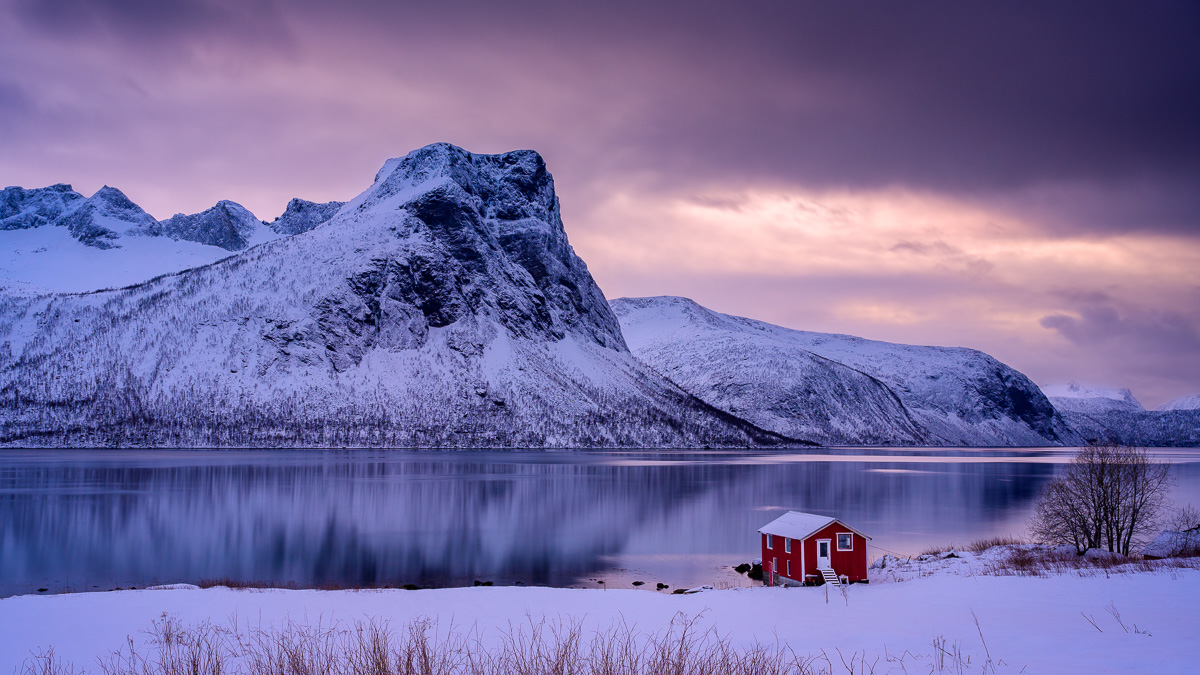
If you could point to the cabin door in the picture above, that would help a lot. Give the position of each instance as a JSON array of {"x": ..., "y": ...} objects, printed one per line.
[{"x": 823, "y": 554}]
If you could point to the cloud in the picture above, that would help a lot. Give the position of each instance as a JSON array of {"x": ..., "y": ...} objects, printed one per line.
[
  {"x": 1158, "y": 331},
  {"x": 992, "y": 175},
  {"x": 1081, "y": 115},
  {"x": 160, "y": 28}
]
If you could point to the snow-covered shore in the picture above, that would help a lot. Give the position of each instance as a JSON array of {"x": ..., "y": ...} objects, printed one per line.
[{"x": 1143, "y": 621}]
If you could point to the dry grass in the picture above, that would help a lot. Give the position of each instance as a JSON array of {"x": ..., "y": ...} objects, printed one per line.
[
  {"x": 229, "y": 582},
  {"x": 936, "y": 550},
  {"x": 981, "y": 545},
  {"x": 977, "y": 546},
  {"x": 1041, "y": 562},
  {"x": 424, "y": 647}
]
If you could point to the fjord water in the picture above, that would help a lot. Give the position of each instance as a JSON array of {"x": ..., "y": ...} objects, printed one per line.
[{"x": 99, "y": 519}]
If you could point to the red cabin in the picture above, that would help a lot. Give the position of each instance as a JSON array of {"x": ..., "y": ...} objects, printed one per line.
[{"x": 805, "y": 548}]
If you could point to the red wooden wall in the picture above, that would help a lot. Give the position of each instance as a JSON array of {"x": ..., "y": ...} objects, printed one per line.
[{"x": 852, "y": 564}]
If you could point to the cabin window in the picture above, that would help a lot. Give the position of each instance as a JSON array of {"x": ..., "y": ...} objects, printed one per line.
[
  {"x": 769, "y": 542},
  {"x": 775, "y": 565},
  {"x": 845, "y": 541},
  {"x": 789, "y": 566},
  {"x": 787, "y": 545}
]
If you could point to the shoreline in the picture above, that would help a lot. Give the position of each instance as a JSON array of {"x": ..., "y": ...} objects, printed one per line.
[{"x": 1137, "y": 620}]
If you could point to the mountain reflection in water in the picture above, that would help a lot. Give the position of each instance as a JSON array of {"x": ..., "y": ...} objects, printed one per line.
[{"x": 80, "y": 520}]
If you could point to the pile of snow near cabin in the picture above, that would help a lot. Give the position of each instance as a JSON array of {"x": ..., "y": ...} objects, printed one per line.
[
  {"x": 1113, "y": 415},
  {"x": 955, "y": 611}
]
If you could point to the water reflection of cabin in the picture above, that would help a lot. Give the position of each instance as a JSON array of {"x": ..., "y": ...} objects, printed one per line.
[{"x": 806, "y": 548}]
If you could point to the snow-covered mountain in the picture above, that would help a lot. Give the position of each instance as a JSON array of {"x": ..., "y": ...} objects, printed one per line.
[
  {"x": 442, "y": 306},
  {"x": 302, "y": 215},
  {"x": 226, "y": 225},
  {"x": 1184, "y": 403},
  {"x": 1103, "y": 414},
  {"x": 1076, "y": 397},
  {"x": 53, "y": 239},
  {"x": 97, "y": 221},
  {"x": 839, "y": 389}
]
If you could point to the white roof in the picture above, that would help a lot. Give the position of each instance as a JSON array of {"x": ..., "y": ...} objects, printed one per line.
[
  {"x": 1171, "y": 543},
  {"x": 798, "y": 525}
]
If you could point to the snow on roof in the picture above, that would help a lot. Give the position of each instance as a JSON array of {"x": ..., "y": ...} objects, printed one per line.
[
  {"x": 1172, "y": 543},
  {"x": 798, "y": 525}
]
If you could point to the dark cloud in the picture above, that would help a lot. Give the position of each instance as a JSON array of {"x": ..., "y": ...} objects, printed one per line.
[
  {"x": 1082, "y": 113},
  {"x": 1078, "y": 117},
  {"x": 172, "y": 27},
  {"x": 1164, "y": 343}
]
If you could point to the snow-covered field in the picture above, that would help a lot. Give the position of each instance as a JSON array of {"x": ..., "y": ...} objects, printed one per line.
[{"x": 1094, "y": 622}]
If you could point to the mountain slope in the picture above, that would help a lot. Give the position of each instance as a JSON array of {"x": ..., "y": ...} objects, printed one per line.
[
  {"x": 442, "y": 306},
  {"x": 838, "y": 388}
]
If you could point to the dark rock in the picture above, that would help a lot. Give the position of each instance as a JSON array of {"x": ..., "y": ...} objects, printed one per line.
[
  {"x": 227, "y": 225},
  {"x": 302, "y": 215}
]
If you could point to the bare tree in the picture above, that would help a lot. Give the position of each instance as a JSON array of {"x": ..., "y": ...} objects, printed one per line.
[
  {"x": 1108, "y": 497},
  {"x": 1185, "y": 523}
]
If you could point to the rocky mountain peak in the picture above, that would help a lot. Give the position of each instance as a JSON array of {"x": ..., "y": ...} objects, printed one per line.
[
  {"x": 491, "y": 209},
  {"x": 100, "y": 219},
  {"x": 302, "y": 215},
  {"x": 21, "y": 208},
  {"x": 228, "y": 225},
  {"x": 1074, "y": 393}
]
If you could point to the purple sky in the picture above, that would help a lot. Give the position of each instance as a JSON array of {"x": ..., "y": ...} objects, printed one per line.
[{"x": 1006, "y": 176}]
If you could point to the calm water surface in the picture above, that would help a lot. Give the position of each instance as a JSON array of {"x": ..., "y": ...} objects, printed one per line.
[{"x": 85, "y": 520}]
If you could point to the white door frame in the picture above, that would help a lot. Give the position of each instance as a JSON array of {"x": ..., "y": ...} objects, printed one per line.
[{"x": 824, "y": 563}]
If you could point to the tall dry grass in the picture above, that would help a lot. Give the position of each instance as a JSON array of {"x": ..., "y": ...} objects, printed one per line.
[
  {"x": 424, "y": 647},
  {"x": 534, "y": 647}
]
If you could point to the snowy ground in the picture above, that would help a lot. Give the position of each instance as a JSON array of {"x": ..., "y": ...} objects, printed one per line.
[{"x": 1094, "y": 621}]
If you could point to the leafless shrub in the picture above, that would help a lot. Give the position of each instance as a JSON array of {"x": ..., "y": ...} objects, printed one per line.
[
  {"x": 199, "y": 650},
  {"x": 46, "y": 663},
  {"x": 1185, "y": 522},
  {"x": 1108, "y": 497}
]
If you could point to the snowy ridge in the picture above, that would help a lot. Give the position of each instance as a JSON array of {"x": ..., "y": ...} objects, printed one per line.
[
  {"x": 1080, "y": 398},
  {"x": 54, "y": 239},
  {"x": 1185, "y": 403},
  {"x": 839, "y": 389},
  {"x": 302, "y": 215},
  {"x": 1102, "y": 414},
  {"x": 227, "y": 225},
  {"x": 441, "y": 307}
]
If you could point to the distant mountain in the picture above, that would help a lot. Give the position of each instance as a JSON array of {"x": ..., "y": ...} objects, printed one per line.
[
  {"x": 839, "y": 389},
  {"x": 1080, "y": 398},
  {"x": 302, "y": 216},
  {"x": 1185, "y": 403},
  {"x": 99, "y": 220},
  {"x": 227, "y": 225},
  {"x": 54, "y": 239},
  {"x": 1102, "y": 414},
  {"x": 22, "y": 209},
  {"x": 443, "y": 306}
]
